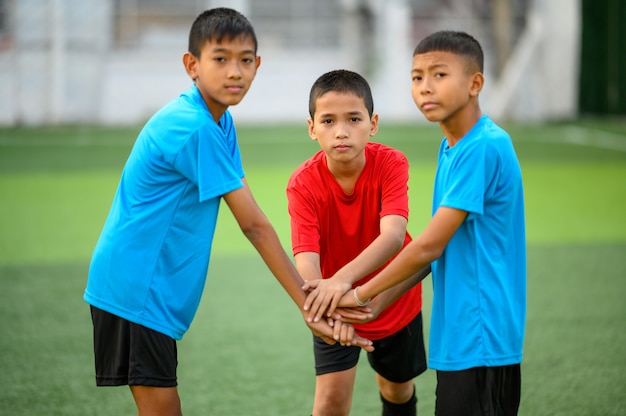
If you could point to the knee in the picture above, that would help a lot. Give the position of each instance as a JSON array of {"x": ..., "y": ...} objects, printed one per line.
[
  {"x": 397, "y": 392},
  {"x": 332, "y": 405}
]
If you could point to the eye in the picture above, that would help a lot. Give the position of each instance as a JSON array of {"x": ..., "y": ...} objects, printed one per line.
[
  {"x": 247, "y": 60},
  {"x": 219, "y": 59},
  {"x": 326, "y": 121},
  {"x": 416, "y": 78},
  {"x": 355, "y": 119},
  {"x": 440, "y": 74}
]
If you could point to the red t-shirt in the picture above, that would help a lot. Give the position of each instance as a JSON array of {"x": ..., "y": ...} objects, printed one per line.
[{"x": 338, "y": 226}]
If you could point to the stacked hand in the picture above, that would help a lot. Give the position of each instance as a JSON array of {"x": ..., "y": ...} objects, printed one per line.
[{"x": 322, "y": 301}]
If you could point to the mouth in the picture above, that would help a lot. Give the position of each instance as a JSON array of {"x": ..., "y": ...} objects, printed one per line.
[
  {"x": 342, "y": 147},
  {"x": 234, "y": 89},
  {"x": 428, "y": 105}
]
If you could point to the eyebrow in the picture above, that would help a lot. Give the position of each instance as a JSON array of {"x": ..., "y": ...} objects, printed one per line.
[
  {"x": 431, "y": 67},
  {"x": 350, "y": 113},
  {"x": 220, "y": 49}
]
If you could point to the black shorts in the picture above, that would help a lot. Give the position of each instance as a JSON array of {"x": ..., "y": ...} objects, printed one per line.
[
  {"x": 479, "y": 391},
  {"x": 128, "y": 353},
  {"x": 398, "y": 358}
]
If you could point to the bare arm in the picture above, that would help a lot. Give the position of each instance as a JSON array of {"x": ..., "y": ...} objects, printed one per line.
[
  {"x": 387, "y": 297},
  {"x": 260, "y": 232},
  {"x": 308, "y": 265},
  {"x": 419, "y": 253},
  {"x": 327, "y": 293}
]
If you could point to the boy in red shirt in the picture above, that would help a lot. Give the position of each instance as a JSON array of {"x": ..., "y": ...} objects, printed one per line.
[{"x": 349, "y": 208}]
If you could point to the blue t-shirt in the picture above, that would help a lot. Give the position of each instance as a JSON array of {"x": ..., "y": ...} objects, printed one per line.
[
  {"x": 150, "y": 263},
  {"x": 479, "y": 295}
]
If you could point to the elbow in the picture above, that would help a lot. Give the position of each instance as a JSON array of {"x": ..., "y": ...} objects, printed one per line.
[
  {"x": 397, "y": 244},
  {"x": 255, "y": 230},
  {"x": 427, "y": 252},
  {"x": 251, "y": 231},
  {"x": 435, "y": 251}
]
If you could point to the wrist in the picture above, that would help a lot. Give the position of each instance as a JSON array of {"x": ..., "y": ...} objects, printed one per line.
[{"x": 358, "y": 300}]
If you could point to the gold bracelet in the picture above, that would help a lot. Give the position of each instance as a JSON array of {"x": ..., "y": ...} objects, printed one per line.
[{"x": 357, "y": 300}]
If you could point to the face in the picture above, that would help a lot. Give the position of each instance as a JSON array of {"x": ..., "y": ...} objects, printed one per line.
[
  {"x": 342, "y": 126},
  {"x": 442, "y": 85},
  {"x": 224, "y": 71}
]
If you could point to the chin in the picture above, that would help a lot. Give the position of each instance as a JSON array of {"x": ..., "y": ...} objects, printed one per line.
[
  {"x": 233, "y": 101},
  {"x": 432, "y": 118}
]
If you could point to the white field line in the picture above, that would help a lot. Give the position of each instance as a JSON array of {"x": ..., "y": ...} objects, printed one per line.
[
  {"x": 13, "y": 142},
  {"x": 593, "y": 138},
  {"x": 573, "y": 135}
]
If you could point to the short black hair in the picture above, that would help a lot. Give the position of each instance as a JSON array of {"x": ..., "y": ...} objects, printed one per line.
[
  {"x": 219, "y": 23},
  {"x": 344, "y": 81},
  {"x": 459, "y": 43}
]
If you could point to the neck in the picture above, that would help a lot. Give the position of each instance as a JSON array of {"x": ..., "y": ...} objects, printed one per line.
[
  {"x": 455, "y": 127},
  {"x": 216, "y": 109},
  {"x": 346, "y": 170}
]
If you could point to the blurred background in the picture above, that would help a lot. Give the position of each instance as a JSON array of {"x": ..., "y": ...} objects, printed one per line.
[
  {"x": 118, "y": 61},
  {"x": 78, "y": 78}
]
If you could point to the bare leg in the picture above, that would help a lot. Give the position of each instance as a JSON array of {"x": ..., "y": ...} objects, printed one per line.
[
  {"x": 333, "y": 393},
  {"x": 397, "y": 393},
  {"x": 156, "y": 401}
]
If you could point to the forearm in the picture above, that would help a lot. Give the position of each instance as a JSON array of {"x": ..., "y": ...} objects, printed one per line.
[
  {"x": 266, "y": 242},
  {"x": 268, "y": 245},
  {"x": 370, "y": 259},
  {"x": 392, "y": 294},
  {"x": 411, "y": 260}
]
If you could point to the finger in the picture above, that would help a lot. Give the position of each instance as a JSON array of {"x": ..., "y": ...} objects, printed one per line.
[
  {"x": 328, "y": 340},
  {"x": 366, "y": 344},
  {"x": 310, "y": 284},
  {"x": 321, "y": 330},
  {"x": 355, "y": 315},
  {"x": 347, "y": 333},
  {"x": 333, "y": 305},
  {"x": 315, "y": 311},
  {"x": 322, "y": 305},
  {"x": 310, "y": 299},
  {"x": 337, "y": 331}
]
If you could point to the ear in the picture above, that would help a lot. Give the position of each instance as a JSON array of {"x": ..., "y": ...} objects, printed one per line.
[
  {"x": 476, "y": 84},
  {"x": 190, "y": 62},
  {"x": 312, "y": 133},
  {"x": 258, "y": 62},
  {"x": 374, "y": 125}
]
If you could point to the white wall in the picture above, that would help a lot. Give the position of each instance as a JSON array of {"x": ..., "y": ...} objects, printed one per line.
[
  {"x": 540, "y": 81},
  {"x": 66, "y": 72}
]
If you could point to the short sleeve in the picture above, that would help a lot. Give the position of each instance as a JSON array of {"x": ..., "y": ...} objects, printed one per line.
[
  {"x": 395, "y": 176},
  {"x": 211, "y": 160},
  {"x": 305, "y": 227},
  {"x": 467, "y": 179}
]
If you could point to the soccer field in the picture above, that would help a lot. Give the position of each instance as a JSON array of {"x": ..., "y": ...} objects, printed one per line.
[{"x": 248, "y": 351}]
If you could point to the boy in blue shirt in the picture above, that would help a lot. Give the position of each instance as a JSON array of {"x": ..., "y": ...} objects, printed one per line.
[
  {"x": 475, "y": 240},
  {"x": 149, "y": 266}
]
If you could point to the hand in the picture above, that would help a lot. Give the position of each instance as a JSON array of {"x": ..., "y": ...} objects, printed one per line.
[
  {"x": 324, "y": 295},
  {"x": 347, "y": 300},
  {"x": 360, "y": 314},
  {"x": 343, "y": 333},
  {"x": 339, "y": 332},
  {"x": 375, "y": 307}
]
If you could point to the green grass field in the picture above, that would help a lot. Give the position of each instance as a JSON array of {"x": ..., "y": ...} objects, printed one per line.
[{"x": 248, "y": 351}]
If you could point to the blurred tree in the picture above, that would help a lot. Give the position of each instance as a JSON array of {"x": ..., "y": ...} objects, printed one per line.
[
  {"x": 603, "y": 58},
  {"x": 503, "y": 32}
]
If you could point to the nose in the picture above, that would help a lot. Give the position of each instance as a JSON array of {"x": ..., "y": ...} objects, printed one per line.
[
  {"x": 234, "y": 70},
  {"x": 426, "y": 86},
  {"x": 341, "y": 132}
]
